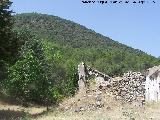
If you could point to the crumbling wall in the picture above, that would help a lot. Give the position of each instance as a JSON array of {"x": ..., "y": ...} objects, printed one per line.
[
  {"x": 130, "y": 88},
  {"x": 152, "y": 85},
  {"x": 82, "y": 76}
]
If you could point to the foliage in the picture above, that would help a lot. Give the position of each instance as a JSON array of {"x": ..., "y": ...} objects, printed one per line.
[
  {"x": 9, "y": 42},
  {"x": 65, "y": 32},
  {"x": 70, "y": 84},
  {"x": 78, "y": 43},
  {"x": 38, "y": 75},
  {"x": 5, "y": 29}
]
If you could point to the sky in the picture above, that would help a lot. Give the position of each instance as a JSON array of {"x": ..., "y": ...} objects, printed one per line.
[{"x": 134, "y": 24}]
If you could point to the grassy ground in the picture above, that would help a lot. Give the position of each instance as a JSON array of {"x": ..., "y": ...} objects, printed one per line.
[
  {"x": 11, "y": 109},
  {"x": 81, "y": 107},
  {"x": 151, "y": 111}
]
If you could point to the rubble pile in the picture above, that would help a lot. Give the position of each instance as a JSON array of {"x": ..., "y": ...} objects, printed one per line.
[{"x": 129, "y": 88}]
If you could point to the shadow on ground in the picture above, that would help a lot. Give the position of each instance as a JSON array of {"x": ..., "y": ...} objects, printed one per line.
[
  {"x": 11, "y": 115},
  {"x": 18, "y": 115},
  {"x": 9, "y": 100},
  {"x": 8, "y": 114}
]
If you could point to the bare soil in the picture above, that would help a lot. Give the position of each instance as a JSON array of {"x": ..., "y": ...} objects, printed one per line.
[{"x": 82, "y": 106}]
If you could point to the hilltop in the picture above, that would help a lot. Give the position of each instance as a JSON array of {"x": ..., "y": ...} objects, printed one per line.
[{"x": 67, "y": 32}]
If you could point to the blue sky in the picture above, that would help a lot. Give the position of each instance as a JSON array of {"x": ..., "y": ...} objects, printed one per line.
[{"x": 135, "y": 25}]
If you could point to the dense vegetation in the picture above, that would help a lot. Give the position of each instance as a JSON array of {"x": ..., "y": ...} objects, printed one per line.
[
  {"x": 9, "y": 42},
  {"x": 32, "y": 69},
  {"x": 39, "y": 74},
  {"x": 40, "y": 54},
  {"x": 82, "y": 44}
]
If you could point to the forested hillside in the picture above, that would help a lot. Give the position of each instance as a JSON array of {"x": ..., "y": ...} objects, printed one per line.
[
  {"x": 67, "y": 32},
  {"x": 82, "y": 44}
]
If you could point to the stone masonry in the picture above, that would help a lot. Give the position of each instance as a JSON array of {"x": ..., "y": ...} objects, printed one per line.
[{"x": 129, "y": 88}]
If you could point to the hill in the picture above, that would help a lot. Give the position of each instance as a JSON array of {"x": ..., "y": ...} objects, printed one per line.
[
  {"x": 84, "y": 44},
  {"x": 66, "y": 32}
]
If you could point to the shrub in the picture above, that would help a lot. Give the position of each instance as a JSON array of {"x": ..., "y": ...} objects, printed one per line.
[
  {"x": 28, "y": 78},
  {"x": 40, "y": 76}
]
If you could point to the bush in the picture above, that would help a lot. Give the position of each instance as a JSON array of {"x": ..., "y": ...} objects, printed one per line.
[
  {"x": 70, "y": 83},
  {"x": 28, "y": 77},
  {"x": 39, "y": 76}
]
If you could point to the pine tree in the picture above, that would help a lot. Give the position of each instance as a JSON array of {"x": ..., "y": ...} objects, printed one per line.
[
  {"x": 5, "y": 29},
  {"x": 8, "y": 40}
]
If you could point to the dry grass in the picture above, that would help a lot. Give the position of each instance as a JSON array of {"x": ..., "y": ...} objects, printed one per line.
[
  {"x": 124, "y": 112},
  {"x": 10, "y": 109},
  {"x": 111, "y": 109}
]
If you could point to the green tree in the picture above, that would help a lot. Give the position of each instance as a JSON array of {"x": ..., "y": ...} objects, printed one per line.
[
  {"x": 5, "y": 29},
  {"x": 5, "y": 35},
  {"x": 70, "y": 84},
  {"x": 35, "y": 77}
]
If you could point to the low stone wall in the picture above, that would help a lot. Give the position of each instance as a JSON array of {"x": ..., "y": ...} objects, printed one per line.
[{"x": 129, "y": 88}]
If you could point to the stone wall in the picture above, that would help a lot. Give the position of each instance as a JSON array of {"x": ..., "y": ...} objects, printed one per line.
[{"x": 129, "y": 88}]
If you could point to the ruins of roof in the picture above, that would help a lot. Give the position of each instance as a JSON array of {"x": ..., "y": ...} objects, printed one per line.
[{"x": 154, "y": 71}]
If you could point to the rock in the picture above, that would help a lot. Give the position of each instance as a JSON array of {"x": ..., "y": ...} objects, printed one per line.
[
  {"x": 77, "y": 110},
  {"x": 99, "y": 104},
  {"x": 108, "y": 108},
  {"x": 129, "y": 88},
  {"x": 82, "y": 108}
]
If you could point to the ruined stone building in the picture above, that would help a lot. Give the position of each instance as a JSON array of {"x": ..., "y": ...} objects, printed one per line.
[
  {"x": 152, "y": 85},
  {"x": 132, "y": 87}
]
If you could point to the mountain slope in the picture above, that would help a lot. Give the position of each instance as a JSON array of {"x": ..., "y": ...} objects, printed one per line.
[
  {"x": 84, "y": 44},
  {"x": 65, "y": 32}
]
